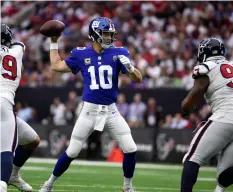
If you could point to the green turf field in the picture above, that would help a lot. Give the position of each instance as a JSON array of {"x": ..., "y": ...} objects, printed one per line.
[{"x": 107, "y": 178}]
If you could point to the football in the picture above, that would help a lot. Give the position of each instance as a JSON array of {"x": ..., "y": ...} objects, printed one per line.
[{"x": 52, "y": 28}]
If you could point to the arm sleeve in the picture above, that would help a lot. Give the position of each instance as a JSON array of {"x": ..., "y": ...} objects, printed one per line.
[
  {"x": 73, "y": 62},
  {"x": 125, "y": 52}
]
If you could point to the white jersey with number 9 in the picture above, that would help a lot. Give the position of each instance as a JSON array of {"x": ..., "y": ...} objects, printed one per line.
[
  {"x": 219, "y": 94},
  {"x": 11, "y": 66}
]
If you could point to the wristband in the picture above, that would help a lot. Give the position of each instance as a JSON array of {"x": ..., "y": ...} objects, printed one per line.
[
  {"x": 53, "y": 46},
  {"x": 130, "y": 69}
]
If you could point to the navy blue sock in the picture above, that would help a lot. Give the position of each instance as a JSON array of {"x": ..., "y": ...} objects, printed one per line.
[
  {"x": 62, "y": 164},
  {"x": 226, "y": 177},
  {"x": 129, "y": 163},
  {"x": 189, "y": 176},
  {"x": 6, "y": 165},
  {"x": 21, "y": 156}
]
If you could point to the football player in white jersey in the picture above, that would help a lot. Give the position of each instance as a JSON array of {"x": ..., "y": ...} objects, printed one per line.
[
  {"x": 13, "y": 129},
  {"x": 213, "y": 80}
]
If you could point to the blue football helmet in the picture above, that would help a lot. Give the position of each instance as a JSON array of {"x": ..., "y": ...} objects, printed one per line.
[
  {"x": 210, "y": 47},
  {"x": 6, "y": 35},
  {"x": 102, "y": 31}
]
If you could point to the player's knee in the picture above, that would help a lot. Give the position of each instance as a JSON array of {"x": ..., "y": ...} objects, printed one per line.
[
  {"x": 225, "y": 179},
  {"x": 129, "y": 145},
  {"x": 33, "y": 144},
  {"x": 74, "y": 148},
  {"x": 131, "y": 148},
  {"x": 192, "y": 159}
]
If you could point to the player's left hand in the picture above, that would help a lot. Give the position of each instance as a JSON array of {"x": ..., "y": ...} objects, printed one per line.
[{"x": 126, "y": 62}]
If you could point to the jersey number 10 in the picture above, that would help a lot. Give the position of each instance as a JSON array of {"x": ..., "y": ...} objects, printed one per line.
[
  {"x": 102, "y": 82},
  {"x": 10, "y": 65},
  {"x": 227, "y": 72}
]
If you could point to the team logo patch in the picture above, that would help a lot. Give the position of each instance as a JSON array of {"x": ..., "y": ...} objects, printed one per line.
[{"x": 87, "y": 61}]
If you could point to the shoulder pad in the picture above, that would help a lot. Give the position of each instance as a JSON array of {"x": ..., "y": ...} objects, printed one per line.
[
  {"x": 19, "y": 44},
  {"x": 123, "y": 50},
  {"x": 210, "y": 64}
]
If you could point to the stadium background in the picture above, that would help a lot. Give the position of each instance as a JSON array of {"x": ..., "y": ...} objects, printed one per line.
[{"x": 162, "y": 38}]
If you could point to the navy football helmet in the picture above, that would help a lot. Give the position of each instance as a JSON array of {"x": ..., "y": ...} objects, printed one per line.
[
  {"x": 102, "y": 31},
  {"x": 6, "y": 35},
  {"x": 210, "y": 47}
]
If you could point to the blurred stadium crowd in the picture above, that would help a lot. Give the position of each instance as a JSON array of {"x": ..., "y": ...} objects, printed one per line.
[{"x": 162, "y": 38}]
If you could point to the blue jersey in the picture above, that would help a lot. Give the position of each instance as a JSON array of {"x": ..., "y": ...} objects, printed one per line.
[{"x": 100, "y": 72}]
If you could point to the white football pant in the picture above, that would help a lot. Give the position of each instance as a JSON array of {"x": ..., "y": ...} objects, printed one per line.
[{"x": 99, "y": 117}]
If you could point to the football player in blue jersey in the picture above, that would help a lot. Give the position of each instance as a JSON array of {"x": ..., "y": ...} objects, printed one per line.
[{"x": 100, "y": 65}]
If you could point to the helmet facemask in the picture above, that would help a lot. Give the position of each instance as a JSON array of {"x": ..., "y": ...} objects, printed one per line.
[
  {"x": 201, "y": 56},
  {"x": 105, "y": 38}
]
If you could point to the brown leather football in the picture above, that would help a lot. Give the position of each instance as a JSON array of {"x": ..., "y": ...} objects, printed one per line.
[{"x": 52, "y": 28}]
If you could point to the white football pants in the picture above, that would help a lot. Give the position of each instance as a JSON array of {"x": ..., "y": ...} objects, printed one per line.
[
  {"x": 213, "y": 137},
  {"x": 13, "y": 129},
  {"x": 98, "y": 117}
]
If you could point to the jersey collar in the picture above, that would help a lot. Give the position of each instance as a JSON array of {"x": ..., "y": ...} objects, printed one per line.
[
  {"x": 215, "y": 58},
  {"x": 91, "y": 47}
]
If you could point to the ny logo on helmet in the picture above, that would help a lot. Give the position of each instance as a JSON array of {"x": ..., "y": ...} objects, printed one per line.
[{"x": 95, "y": 24}]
